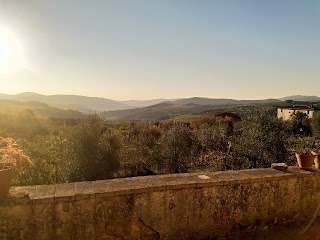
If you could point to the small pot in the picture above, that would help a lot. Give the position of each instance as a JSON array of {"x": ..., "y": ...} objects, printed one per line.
[
  {"x": 316, "y": 153},
  {"x": 305, "y": 160},
  {"x": 5, "y": 181}
]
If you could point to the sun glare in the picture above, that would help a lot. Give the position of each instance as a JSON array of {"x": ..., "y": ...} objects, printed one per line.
[{"x": 11, "y": 54}]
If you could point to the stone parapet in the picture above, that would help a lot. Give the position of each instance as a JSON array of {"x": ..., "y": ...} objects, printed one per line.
[{"x": 177, "y": 206}]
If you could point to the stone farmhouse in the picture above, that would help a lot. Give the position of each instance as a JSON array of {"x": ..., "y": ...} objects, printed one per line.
[{"x": 286, "y": 113}]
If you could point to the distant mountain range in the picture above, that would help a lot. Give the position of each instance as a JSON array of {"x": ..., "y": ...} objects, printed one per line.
[
  {"x": 300, "y": 98},
  {"x": 220, "y": 101},
  {"x": 102, "y": 105}
]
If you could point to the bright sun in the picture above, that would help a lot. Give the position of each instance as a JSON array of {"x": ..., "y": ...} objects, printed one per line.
[{"x": 11, "y": 54}]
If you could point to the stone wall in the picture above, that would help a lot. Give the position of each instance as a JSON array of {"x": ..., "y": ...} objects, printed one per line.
[{"x": 181, "y": 206}]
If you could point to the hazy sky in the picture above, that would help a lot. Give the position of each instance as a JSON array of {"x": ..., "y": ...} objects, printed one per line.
[{"x": 143, "y": 49}]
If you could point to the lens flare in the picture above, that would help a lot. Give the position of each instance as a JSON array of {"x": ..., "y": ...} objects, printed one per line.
[{"x": 11, "y": 52}]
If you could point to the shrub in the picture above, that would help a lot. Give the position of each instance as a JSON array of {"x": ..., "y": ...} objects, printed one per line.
[
  {"x": 300, "y": 124},
  {"x": 179, "y": 147},
  {"x": 13, "y": 157},
  {"x": 213, "y": 137},
  {"x": 259, "y": 140},
  {"x": 316, "y": 126},
  {"x": 139, "y": 151},
  {"x": 93, "y": 149}
]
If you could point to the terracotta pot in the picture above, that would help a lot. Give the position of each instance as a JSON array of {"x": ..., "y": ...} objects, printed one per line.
[
  {"x": 305, "y": 160},
  {"x": 5, "y": 181},
  {"x": 316, "y": 153}
]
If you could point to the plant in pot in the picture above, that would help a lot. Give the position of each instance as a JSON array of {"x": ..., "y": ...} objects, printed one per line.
[
  {"x": 12, "y": 159},
  {"x": 305, "y": 160},
  {"x": 316, "y": 154}
]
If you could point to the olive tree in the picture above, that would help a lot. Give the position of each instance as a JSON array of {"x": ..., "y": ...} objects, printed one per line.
[
  {"x": 316, "y": 126},
  {"x": 300, "y": 124},
  {"x": 259, "y": 140},
  {"x": 140, "y": 150},
  {"x": 179, "y": 147},
  {"x": 93, "y": 150}
]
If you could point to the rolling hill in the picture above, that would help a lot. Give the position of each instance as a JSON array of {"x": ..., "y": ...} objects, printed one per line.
[
  {"x": 156, "y": 112},
  {"x": 300, "y": 98},
  {"x": 41, "y": 110},
  {"x": 137, "y": 109},
  {"x": 168, "y": 110},
  {"x": 73, "y": 102},
  {"x": 187, "y": 107},
  {"x": 146, "y": 103},
  {"x": 220, "y": 101}
]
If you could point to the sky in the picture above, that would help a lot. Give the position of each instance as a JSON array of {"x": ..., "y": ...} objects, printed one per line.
[{"x": 147, "y": 49}]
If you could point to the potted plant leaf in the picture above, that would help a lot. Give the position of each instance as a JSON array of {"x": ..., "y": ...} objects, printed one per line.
[
  {"x": 12, "y": 159},
  {"x": 305, "y": 160}
]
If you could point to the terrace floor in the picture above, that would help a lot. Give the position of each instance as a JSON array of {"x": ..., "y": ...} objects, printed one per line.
[{"x": 308, "y": 231}]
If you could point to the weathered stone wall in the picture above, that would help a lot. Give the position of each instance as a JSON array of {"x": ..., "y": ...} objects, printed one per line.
[{"x": 182, "y": 206}]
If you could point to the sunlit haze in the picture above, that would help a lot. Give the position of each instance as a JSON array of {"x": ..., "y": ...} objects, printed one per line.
[
  {"x": 160, "y": 49},
  {"x": 11, "y": 54}
]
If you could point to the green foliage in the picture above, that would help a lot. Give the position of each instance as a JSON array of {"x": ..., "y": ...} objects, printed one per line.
[
  {"x": 300, "y": 124},
  {"x": 179, "y": 147},
  {"x": 259, "y": 140},
  {"x": 299, "y": 143},
  {"x": 49, "y": 166},
  {"x": 90, "y": 149},
  {"x": 139, "y": 152},
  {"x": 23, "y": 125},
  {"x": 213, "y": 137},
  {"x": 93, "y": 150},
  {"x": 316, "y": 126}
]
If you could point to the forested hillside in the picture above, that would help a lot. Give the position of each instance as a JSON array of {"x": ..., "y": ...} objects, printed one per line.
[
  {"x": 77, "y": 103},
  {"x": 93, "y": 148},
  {"x": 40, "y": 110}
]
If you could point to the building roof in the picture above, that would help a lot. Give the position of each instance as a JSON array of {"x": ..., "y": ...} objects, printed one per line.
[{"x": 298, "y": 107}]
